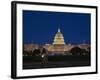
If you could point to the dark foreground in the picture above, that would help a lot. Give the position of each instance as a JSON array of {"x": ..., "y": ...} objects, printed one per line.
[{"x": 33, "y": 62}]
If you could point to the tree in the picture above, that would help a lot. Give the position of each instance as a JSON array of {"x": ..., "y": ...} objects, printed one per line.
[
  {"x": 83, "y": 52},
  {"x": 25, "y": 53},
  {"x": 75, "y": 51},
  {"x": 44, "y": 55},
  {"x": 89, "y": 50},
  {"x": 36, "y": 52}
]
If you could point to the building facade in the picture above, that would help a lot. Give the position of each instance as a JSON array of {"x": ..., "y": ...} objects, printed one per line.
[{"x": 58, "y": 45}]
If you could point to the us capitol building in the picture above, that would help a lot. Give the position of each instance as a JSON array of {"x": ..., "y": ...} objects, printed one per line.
[{"x": 57, "y": 47}]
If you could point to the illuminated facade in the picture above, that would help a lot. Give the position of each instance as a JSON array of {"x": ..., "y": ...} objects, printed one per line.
[
  {"x": 59, "y": 46},
  {"x": 30, "y": 47},
  {"x": 59, "y": 39}
]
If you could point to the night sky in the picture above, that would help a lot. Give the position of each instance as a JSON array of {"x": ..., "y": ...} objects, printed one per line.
[{"x": 40, "y": 27}]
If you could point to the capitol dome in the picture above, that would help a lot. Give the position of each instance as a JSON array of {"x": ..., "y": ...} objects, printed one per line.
[{"x": 59, "y": 39}]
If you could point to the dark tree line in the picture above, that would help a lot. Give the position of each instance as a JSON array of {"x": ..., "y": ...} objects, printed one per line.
[
  {"x": 79, "y": 51},
  {"x": 73, "y": 51},
  {"x": 35, "y": 52}
]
